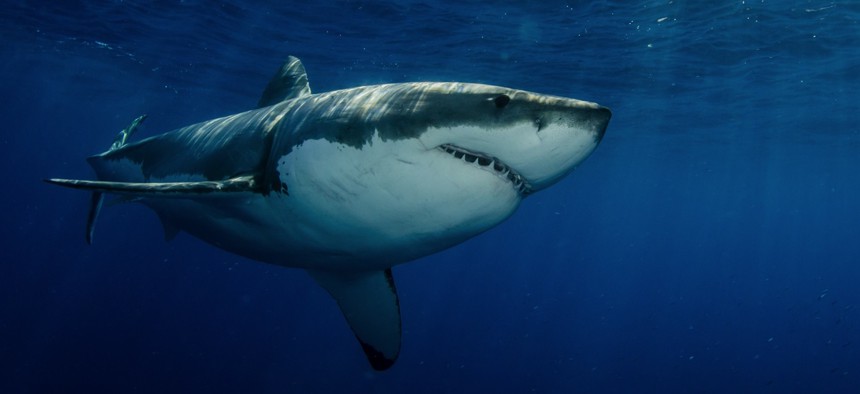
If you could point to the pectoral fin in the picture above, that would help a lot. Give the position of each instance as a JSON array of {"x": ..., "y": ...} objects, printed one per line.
[
  {"x": 369, "y": 302},
  {"x": 238, "y": 184}
]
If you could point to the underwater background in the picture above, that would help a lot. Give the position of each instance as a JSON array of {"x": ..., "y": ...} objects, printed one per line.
[{"x": 711, "y": 244}]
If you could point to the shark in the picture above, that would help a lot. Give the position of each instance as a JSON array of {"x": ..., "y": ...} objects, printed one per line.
[{"x": 348, "y": 183}]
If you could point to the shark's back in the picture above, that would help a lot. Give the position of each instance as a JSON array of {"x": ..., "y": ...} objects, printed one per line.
[{"x": 214, "y": 150}]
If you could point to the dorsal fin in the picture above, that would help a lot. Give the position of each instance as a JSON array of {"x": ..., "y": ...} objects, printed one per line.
[{"x": 291, "y": 81}]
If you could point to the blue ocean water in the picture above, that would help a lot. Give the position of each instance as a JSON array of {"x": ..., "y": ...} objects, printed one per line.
[{"x": 710, "y": 244}]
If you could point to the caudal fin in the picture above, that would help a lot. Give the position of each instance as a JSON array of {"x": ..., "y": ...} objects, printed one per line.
[
  {"x": 95, "y": 208},
  {"x": 98, "y": 197}
]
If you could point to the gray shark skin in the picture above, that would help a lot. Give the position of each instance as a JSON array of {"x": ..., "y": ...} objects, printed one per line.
[{"x": 346, "y": 184}]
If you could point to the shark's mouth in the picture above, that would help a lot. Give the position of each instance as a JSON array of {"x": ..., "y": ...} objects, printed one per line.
[{"x": 490, "y": 163}]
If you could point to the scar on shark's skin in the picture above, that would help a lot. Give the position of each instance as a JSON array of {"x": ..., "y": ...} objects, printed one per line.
[{"x": 349, "y": 183}]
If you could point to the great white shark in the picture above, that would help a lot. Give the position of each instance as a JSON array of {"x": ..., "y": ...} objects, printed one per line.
[{"x": 349, "y": 183}]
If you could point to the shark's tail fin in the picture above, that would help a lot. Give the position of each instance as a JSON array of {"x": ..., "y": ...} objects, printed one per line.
[
  {"x": 122, "y": 137},
  {"x": 98, "y": 197},
  {"x": 95, "y": 207}
]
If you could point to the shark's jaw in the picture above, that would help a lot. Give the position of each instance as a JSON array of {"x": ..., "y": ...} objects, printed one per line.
[
  {"x": 529, "y": 155},
  {"x": 490, "y": 163}
]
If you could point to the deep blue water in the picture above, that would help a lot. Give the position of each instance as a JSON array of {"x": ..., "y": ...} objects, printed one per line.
[{"x": 710, "y": 245}]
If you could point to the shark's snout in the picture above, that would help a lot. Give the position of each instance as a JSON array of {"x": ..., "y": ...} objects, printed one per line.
[{"x": 566, "y": 135}]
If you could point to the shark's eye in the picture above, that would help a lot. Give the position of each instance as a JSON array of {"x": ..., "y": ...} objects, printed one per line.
[{"x": 502, "y": 100}]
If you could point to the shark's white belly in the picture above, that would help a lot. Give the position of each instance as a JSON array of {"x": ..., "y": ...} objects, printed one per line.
[{"x": 347, "y": 208}]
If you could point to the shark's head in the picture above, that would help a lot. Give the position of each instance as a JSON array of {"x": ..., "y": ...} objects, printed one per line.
[
  {"x": 441, "y": 162},
  {"x": 527, "y": 140}
]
